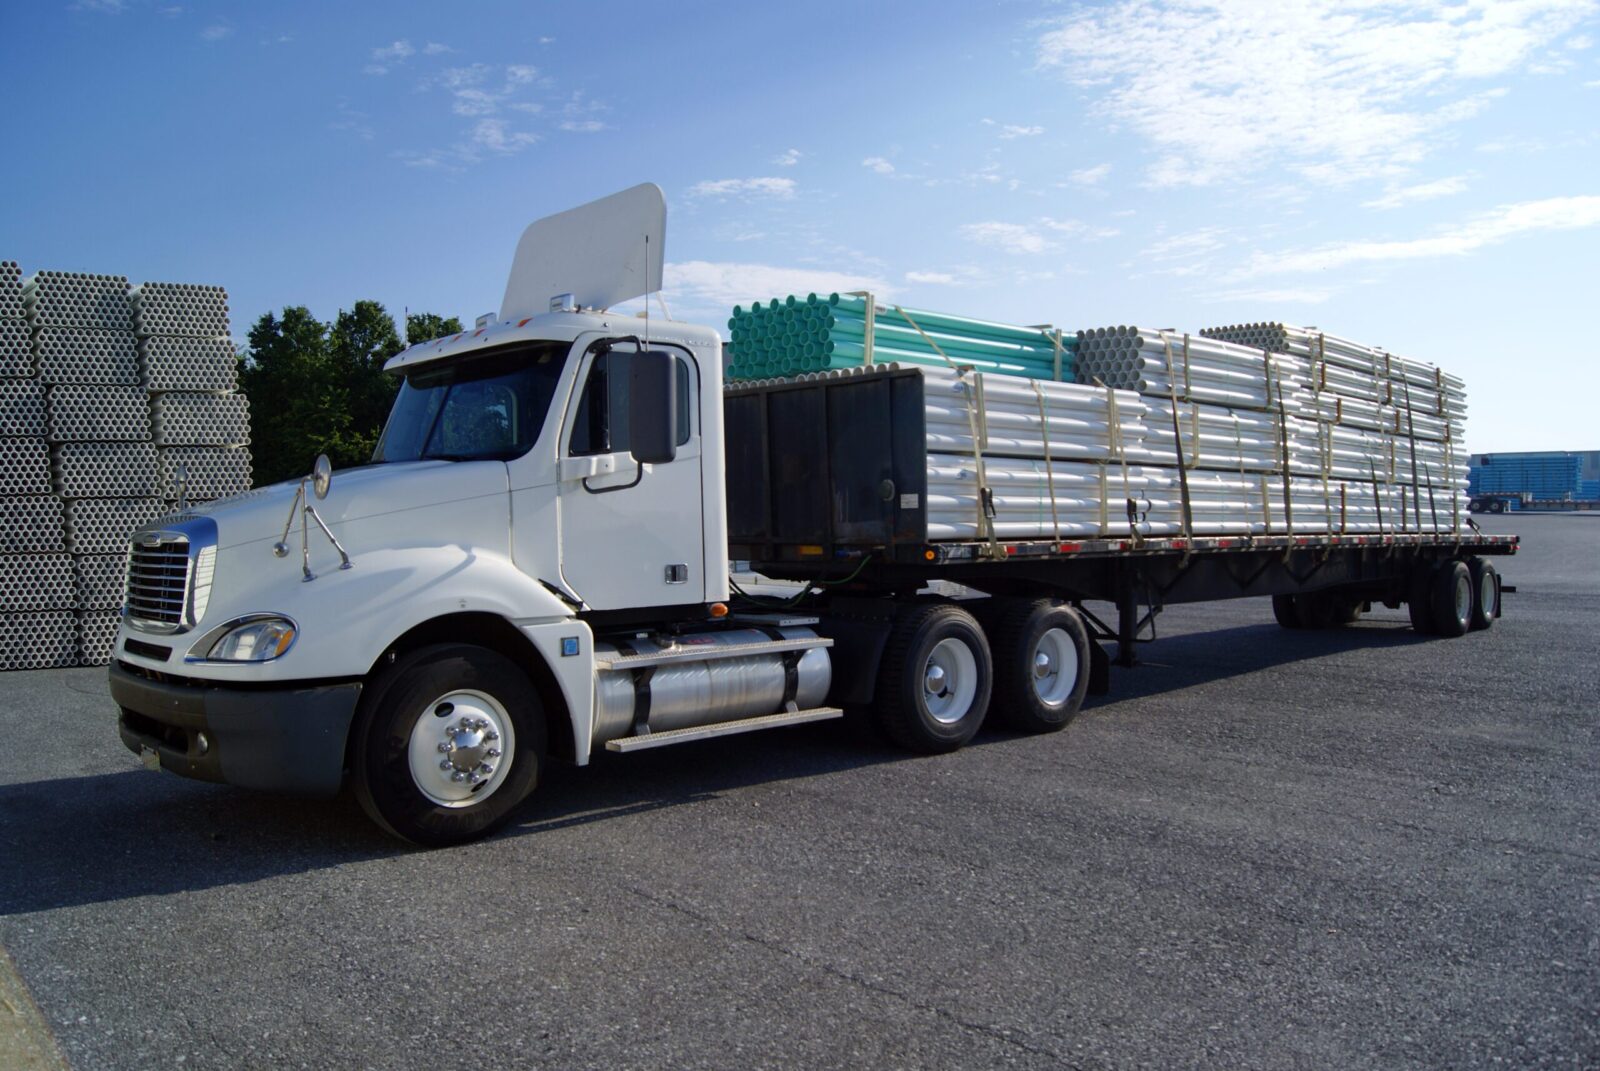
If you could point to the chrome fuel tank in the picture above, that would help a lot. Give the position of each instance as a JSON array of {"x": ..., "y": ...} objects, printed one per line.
[{"x": 690, "y": 693}]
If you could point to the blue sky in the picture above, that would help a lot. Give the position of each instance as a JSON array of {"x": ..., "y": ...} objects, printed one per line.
[{"x": 1418, "y": 175}]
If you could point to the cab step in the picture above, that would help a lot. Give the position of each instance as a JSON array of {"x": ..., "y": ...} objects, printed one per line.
[
  {"x": 690, "y": 652},
  {"x": 723, "y": 728}
]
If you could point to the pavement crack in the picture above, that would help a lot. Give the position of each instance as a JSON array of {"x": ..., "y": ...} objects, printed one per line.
[{"x": 767, "y": 943}]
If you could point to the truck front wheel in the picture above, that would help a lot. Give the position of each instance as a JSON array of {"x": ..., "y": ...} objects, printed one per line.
[
  {"x": 451, "y": 738},
  {"x": 934, "y": 679}
]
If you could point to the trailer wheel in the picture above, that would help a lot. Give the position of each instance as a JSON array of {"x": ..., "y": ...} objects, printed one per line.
[
  {"x": 1285, "y": 610},
  {"x": 1452, "y": 601},
  {"x": 1485, "y": 592},
  {"x": 1041, "y": 665},
  {"x": 934, "y": 678},
  {"x": 451, "y": 739},
  {"x": 1419, "y": 599}
]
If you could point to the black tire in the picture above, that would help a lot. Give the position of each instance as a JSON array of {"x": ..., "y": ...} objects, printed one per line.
[
  {"x": 412, "y": 689},
  {"x": 1023, "y": 699},
  {"x": 1497, "y": 507},
  {"x": 903, "y": 695},
  {"x": 1452, "y": 599},
  {"x": 1419, "y": 599},
  {"x": 1485, "y": 592},
  {"x": 1285, "y": 610}
]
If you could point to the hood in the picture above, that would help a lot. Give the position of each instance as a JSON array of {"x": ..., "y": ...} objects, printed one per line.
[{"x": 356, "y": 494}]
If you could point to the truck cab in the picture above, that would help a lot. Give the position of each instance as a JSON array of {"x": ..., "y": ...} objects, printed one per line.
[{"x": 524, "y": 568}]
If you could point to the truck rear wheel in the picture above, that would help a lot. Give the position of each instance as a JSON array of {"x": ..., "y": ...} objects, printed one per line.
[
  {"x": 1452, "y": 599},
  {"x": 934, "y": 679},
  {"x": 1285, "y": 611},
  {"x": 451, "y": 739},
  {"x": 1041, "y": 657},
  {"x": 1485, "y": 592}
]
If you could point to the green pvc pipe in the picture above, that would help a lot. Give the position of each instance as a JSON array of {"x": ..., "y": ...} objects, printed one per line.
[{"x": 856, "y": 329}]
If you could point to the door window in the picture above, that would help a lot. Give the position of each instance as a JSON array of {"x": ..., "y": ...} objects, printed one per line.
[{"x": 601, "y": 426}]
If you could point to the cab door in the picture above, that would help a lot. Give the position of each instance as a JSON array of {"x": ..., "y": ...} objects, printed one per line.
[{"x": 632, "y": 535}]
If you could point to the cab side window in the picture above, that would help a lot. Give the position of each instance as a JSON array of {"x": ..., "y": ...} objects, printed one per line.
[{"x": 601, "y": 426}]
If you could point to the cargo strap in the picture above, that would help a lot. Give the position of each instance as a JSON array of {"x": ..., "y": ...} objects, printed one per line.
[
  {"x": 1049, "y": 468},
  {"x": 1177, "y": 438},
  {"x": 977, "y": 426},
  {"x": 1283, "y": 443},
  {"x": 1120, "y": 454}
]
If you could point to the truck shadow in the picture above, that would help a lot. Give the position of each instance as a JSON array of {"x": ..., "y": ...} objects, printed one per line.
[{"x": 114, "y": 836}]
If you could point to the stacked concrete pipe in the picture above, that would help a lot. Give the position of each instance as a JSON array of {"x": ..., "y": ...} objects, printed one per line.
[{"x": 105, "y": 390}]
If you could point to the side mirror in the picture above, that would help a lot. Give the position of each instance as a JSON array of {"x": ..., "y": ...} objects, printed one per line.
[
  {"x": 653, "y": 406},
  {"x": 321, "y": 476}
]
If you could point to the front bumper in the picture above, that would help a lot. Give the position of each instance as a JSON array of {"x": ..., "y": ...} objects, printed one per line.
[{"x": 288, "y": 739}]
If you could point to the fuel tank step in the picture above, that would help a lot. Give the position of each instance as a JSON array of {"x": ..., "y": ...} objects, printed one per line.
[
  {"x": 692, "y": 652},
  {"x": 725, "y": 728}
]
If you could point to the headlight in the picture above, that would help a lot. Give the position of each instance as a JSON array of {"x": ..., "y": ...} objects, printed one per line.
[{"x": 258, "y": 639}]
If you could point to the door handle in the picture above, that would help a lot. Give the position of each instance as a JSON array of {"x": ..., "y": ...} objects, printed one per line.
[{"x": 582, "y": 468}]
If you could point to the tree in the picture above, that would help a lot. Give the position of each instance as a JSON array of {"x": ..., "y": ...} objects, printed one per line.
[
  {"x": 296, "y": 407},
  {"x": 318, "y": 388},
  {"x": 425, "y": 327},
  {"x": 361, "y": 341}
]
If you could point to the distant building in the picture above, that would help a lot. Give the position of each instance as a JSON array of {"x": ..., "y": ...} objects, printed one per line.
[{"x": 1544, "y": 474}]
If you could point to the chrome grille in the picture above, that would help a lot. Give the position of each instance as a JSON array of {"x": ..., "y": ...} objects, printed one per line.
[{"x": 158, "y": 582}]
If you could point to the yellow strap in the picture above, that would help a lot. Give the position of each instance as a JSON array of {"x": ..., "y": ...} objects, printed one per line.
[{"x": 1049, "y": 469}]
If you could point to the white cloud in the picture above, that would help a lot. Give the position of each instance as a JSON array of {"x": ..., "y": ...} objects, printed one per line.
[
  {"x": 520, "y": 74},
  {"x": 936, "y": 278},
  {"x": 101, "y": 7},
  {"x": 1400, "y": 196},
  {"x": 1489, "y": 228},
  {"x": 474, "y": 102},
  {"x": 383, "y": 59},
  {"x": 1089, "y": 176},
  {"x": 216, "y": 32},
  {"x": 781, "y": 189},
  {"x": 788, "y": 157},
  {"x": 724, "y": 285},
  {"x": 1011, "y": 130},
  {"x": 547, "y": 40},
  {"x": 582, "y": 126},
  {"x": 434, "y": 48},
  {"x": 1291, "y": 296},
  {"x": 1010, "y": 237},
  {"x": 1042, "y": 236},
  {"x": 878, "y": 164},
  {"x": 495, "y": 135},
  {"x": 1195, "y": 243},
  {"x": 1336, "y": 91}
]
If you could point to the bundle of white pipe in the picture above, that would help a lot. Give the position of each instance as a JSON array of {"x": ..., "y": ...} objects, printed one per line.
[
  {"x": 1158, "y": 362},
  {"x": 77, "y": 299},
  {"x": 179, "y": 309},
  {"x": 1376, "y": 364},
  {"x": 1016, "y": 416},
  {"x": 11, "y": 307},
  {"x": 1092, "y": 500}
]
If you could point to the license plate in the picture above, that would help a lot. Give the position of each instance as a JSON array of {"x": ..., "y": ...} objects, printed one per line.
[{"x": 150, "y": 757}]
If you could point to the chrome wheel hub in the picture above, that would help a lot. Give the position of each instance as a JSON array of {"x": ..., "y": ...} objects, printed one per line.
[
  {"x": 949, "y": 681},
  {"x": 1055, "y": 667},
  {"x": 461, "y": 748}
]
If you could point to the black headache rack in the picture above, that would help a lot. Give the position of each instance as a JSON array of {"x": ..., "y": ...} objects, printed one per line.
[{"x": 827, "y": 479}]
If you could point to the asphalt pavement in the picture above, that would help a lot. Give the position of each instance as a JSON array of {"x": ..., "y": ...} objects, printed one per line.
[{"x": 1264, "y": 849}]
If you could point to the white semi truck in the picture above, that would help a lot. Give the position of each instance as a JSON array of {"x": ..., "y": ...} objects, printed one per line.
[{"x": 536, "y": 566}]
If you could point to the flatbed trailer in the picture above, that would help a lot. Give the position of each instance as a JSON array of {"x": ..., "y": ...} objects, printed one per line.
[{"x": 536, "y": 566}]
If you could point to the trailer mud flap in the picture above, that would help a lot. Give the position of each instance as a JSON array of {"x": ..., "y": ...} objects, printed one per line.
[{"x": 1099, "y": 670}]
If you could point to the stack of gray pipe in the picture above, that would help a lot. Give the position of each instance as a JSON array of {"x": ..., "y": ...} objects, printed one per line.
[{"x": 84, "y": 368}]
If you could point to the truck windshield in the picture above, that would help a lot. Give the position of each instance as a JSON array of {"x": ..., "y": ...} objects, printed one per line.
[{"x": 477, "y": 408}]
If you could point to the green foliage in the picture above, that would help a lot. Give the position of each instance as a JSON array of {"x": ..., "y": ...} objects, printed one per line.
[
  {"x": 425, "y": 326},
  {"x": 319, "y": 388}
]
